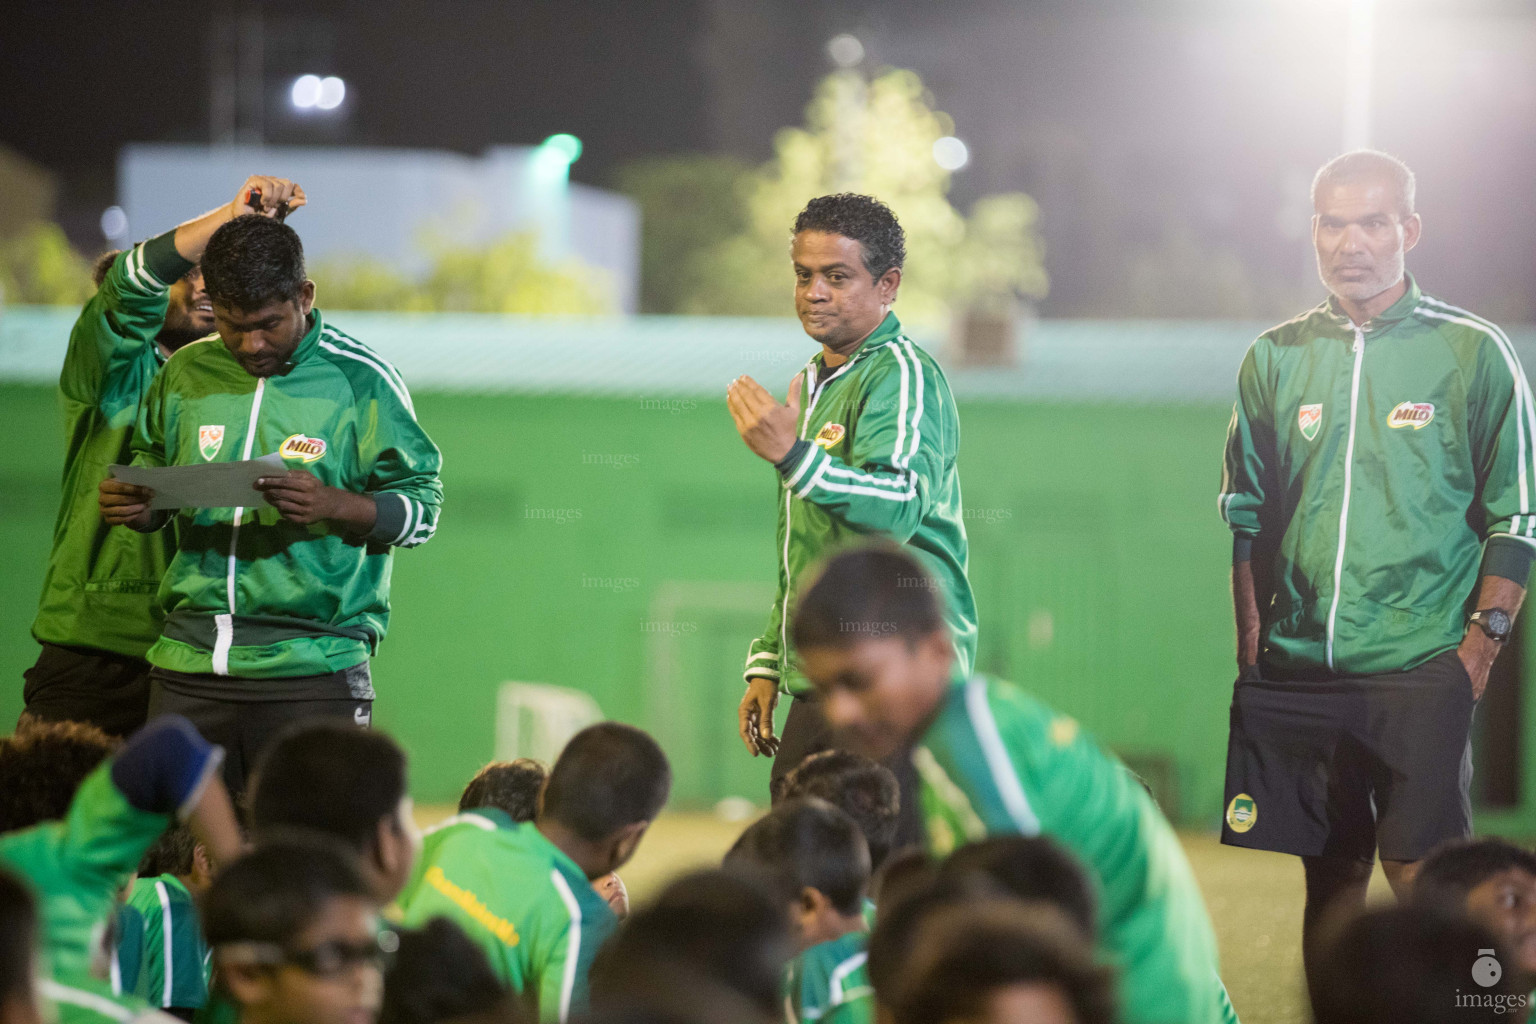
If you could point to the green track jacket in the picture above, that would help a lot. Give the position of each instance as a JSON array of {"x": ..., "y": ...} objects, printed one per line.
[
  {"x": 1370, "y": 466},
  {"x": 99, "y": 589},
  {"x": 249, "y": 594},
  {"x": 879, "y": 439}
]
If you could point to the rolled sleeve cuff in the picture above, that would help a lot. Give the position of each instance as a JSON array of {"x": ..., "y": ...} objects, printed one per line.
[
  {"x": 165, "y": 766},
  {"x": 1242, "y": 549},
  {"x": 391, "y": 516},
  {"x": 163, "y": 261},
  {"x": 1508, "y": 558},
  {"x": 791, "y": 462}
]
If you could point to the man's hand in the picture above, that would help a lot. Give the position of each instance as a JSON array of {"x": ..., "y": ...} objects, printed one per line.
[
  {"x": 274, "y": 192},
  {"x": 770, "y": 429},
  {"x": 301, "y": 498},
  {"x": 755, "y": 716},
  {"x": 125, "y": 504},
  {"x": 1477, "y": 653}
]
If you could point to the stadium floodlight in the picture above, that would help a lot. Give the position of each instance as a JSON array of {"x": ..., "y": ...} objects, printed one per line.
[
  {"x": 332, "y": 91},
  {"x": 950, "y": 153},
  {"x": 845, "y": 50},
  {"x": 114, "y": 223},
  {"x": 565, "y": 145},
  {"x": 306, "y": 92}
]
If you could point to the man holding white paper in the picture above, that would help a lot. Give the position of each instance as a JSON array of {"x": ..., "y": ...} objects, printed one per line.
[
  {"x": 273, "y": 610},
  {"x": 99, "y": 611}
]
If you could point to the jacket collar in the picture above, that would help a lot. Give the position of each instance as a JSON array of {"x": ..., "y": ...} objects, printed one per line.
[
  {"x": 310, "y": 341},
  {"x": 889, "y": 328},
  {"x": 1389, "y": 317}
]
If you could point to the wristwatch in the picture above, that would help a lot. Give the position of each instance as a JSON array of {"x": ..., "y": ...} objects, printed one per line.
[{"x": 1495, "y": 622}]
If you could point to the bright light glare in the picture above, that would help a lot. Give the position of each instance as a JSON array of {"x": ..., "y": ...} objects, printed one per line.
[
  {"x": 566, "y": 145},
  {"x": 845, "y": 50},
  {"x": 114, "y": 222},
  {"x": 306, "y": 91},
  {"x": 950, "y": 153},
  {"x": 332, "y": 91}
]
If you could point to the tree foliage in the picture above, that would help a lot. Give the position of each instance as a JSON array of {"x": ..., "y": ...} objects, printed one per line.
[
  {"x": 507, "y": 276},
  {"x": 39, "y": 267},
  {"x": 875, "y": 137}
]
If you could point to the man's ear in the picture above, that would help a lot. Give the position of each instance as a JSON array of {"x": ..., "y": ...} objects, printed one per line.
[
  {"x": 1413, "y": 228},
  {"x": 202, "y": 864},
  {"x": 306, "y": 297},
  {"x": 247, "y": 984},
  {"x": 888, "y": 285}
]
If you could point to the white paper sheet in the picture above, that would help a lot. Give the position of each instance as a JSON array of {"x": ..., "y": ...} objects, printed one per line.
[{"x": 210, "y": 485}]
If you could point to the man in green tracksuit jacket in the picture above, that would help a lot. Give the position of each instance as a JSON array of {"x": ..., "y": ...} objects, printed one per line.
[
  {"x": 867, "y": 446},
  {"x": 99, "y": 612},
  {"x": 1380, "y": 489},
  {"x": 273, "y": 610},
  {"x": 995, "y": 761}
]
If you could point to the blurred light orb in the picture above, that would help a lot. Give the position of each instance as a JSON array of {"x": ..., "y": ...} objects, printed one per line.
[
  {"x": 950, "y": 153},
  {"x": 845, "y": 50},
  {"x": 114, "y": 222},
  {"x": 306, "y": 91},
  {"x": 566, "y": 145},
  {"x": 332, "y": 91}
]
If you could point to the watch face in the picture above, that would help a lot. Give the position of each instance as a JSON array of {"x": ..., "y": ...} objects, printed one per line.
[{"x": 1499, "y": 622}]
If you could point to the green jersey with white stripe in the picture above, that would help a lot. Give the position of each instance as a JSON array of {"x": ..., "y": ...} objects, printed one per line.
[
  {"x": 248, "y": 593},
  {"x": 161, "y": 956},
  {"x": 997, "y": 761},
  {"x": 830, "y": 982},
  {"x": 521, "y": 898},
  {"x": 100, "y": 585},
  {"x": 88, "y": 1001},
  {"x": 78, "y": 865},
  {"x": 880, "y": 460},
  {"x": 1373, "y": 469}
]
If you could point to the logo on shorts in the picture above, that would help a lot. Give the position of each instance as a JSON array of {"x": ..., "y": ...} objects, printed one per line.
[
  {"x": 362, "y": 715},
  {"x": 1411, "y": 414},
  {"x": 1309, "y": 419},
  {"x": 830, "y": 434},
  {"x": 297, "y": 446},
  {"x": 209, "y": 440},
  {"x": 1242, "y": 813}
]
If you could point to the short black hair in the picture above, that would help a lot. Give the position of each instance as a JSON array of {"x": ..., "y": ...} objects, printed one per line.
[
  {"x": 18, "y": 938},
  {"x": 867, "y": 593},
  {"x": 865, "y": 790},
  {"x": 805, "y": 844},
  {"x": 172, "y": 853},
  {"x": 1452, "y": 870},
  {"x": 252, "y": 262},
  {"x": 439, "y": 973},
  {"x": 275, "y": 892},
  {"x": 103, "y": 266},
  {"x": 1028, "y": 868},
  {"x": 965, "y": 953},
  {"x": 708, "y": 925},
  {"x": 511, "y": 786},
  {"x": 864, "y": 219},
  {"x": 329, "y": 777},
  {"x": 1408, "y": 964},
  {"x": 41, "y": 766},
  {"x": 608, "y": 776}
]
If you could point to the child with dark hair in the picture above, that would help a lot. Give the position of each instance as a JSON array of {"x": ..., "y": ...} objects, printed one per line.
[
  {"x": 813, "y": 860},
  {"x": 161, "y": 955},
  {"x": 78, "y": 865},
  {"x": 296, "y": 937},
  {"x": 1493, "y": 882},
  {"x": 1027, "y": 868},
  {"x": 344, "y": 782},
  {"x": 439, "y": 974},
  {"x": 712, "y": 941},
  {"x": 41, "y": 767},
  {"x": 1002, "y": 962},
  {"x": 865, "y": 790},
  {"x": 523, "y": 890}
]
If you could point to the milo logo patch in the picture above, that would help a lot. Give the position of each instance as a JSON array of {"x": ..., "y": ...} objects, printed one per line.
[
  {"x": 305, "y": 449},
  {"x": 1411, "y": 414}
]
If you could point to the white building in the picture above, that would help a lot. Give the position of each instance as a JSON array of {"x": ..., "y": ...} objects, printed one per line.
[{"x": 383, "y": 202}]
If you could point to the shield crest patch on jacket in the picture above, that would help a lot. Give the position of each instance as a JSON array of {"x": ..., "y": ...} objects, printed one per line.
[
  {"x": 209, "y": 440},
  {"x": 1309, "y": 419}
]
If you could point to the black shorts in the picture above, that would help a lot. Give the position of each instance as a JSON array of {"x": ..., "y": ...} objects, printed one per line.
[
  {"x": 83, "y": 684},
  {"x": 1347, "y": 767}
]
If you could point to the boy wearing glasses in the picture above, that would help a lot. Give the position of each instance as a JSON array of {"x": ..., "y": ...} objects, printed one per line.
[{"x": 296, "y": 938}]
